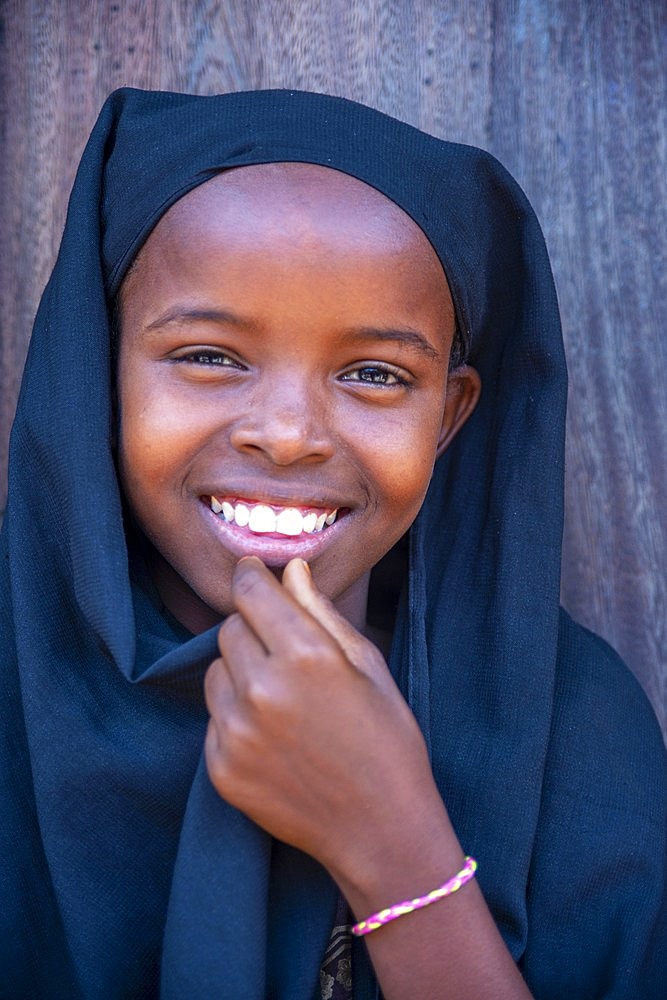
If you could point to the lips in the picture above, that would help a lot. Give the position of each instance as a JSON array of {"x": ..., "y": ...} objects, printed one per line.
[{"x": 272, "y": 519}]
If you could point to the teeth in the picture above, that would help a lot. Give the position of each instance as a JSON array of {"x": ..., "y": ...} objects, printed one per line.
[
  {"x": 263, "y": 520},
  {"x": 289, "y": 522},
  {"x": 309, "y": 522},
  {"x": 242, "y": 515}
]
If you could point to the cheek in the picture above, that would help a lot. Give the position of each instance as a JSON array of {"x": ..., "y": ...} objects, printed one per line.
[
  {"x": 153, "y": 436},
  {"x": 410, "y": 478},
  {"x": 400, "y": 454}
]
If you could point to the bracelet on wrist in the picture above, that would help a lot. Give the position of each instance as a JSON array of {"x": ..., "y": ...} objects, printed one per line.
[{"x": 382, "y": 917}]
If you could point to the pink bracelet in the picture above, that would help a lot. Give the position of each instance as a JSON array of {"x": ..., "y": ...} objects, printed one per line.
[{"x": 407, "y": 906}]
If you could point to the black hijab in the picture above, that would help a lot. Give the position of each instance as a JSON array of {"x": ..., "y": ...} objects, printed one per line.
[{"x": 120, "y": 864}]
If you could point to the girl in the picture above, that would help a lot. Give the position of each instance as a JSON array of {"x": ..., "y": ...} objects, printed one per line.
[{"x": 286, "y": 327}]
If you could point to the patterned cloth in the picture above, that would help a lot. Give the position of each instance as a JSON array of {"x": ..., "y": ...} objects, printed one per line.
[{"x": 336, "y": 971}]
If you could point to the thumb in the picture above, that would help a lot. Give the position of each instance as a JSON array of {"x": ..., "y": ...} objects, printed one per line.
[{"x": 297, "y": 580}]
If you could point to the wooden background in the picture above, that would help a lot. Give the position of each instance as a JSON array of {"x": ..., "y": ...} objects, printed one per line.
[{"x": 570, "y": 94}]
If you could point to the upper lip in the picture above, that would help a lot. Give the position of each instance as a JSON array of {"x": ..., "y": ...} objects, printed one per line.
[{"x": 276, "y": 498}]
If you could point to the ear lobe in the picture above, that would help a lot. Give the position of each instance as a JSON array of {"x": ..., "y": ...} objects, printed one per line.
[{"x": 463, "y": 390}]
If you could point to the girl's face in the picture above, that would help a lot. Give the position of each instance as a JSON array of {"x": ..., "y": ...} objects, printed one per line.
[{"x": 283, "y": 382}]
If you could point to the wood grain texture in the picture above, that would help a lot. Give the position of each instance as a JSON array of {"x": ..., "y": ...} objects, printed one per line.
[{"x": 570, "y": 94}]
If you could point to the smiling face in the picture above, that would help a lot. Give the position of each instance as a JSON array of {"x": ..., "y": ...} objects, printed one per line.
[{"x": 282, "y": 383}]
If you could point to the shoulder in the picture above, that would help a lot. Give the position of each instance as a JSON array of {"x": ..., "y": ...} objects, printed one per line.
[
  {"x": 605, "y": 740},
  {"x": 605, "y": 778},
  {"x": 596, "y": 896}
]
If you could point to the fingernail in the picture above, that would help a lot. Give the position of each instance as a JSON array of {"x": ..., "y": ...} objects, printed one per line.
[{"x": 306, "y": 567}]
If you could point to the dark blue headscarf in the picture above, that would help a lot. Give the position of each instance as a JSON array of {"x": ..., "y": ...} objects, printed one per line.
[{"x": 122, "y": 871}]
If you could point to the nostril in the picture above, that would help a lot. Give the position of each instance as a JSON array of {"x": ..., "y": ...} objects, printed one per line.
[{"x": 283, "y": 441}]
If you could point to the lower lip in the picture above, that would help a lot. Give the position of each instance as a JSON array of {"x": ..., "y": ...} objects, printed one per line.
[{"x": 272, "y": 549}]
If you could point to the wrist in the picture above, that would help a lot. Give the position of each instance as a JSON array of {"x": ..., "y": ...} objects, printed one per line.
[
  {"x": 408, "y": 856},
  {"x": 374, "y": 921}
]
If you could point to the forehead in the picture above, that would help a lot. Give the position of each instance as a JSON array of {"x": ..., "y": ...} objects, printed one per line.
[
  {"x": 302, "y": 203},
  {"x": 284, "y": 240}
]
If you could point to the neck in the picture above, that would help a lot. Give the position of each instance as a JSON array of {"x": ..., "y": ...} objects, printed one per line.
[{"x": 351, "y": 604}]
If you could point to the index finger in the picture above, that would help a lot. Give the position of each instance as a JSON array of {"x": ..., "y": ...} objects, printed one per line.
[{"x": 276, "y": 618}]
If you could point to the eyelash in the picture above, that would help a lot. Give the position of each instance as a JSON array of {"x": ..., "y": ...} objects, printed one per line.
[
  {"x": 385, "y": 370},
  {"x": 208, "y": 357}
]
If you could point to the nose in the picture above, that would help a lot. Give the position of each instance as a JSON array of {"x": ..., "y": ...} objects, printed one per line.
[{"x": 286, "y": 422}]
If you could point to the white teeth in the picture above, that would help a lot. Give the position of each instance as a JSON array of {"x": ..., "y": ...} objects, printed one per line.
[
  {"x": 309, "y": 522},
  {"x": 242, "y": 515},
  {"x": 263, "y": 520},
  {"x": 289, "y": 522}
]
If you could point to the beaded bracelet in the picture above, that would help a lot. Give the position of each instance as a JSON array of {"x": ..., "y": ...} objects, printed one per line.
[{"x": 407, "y": 906}]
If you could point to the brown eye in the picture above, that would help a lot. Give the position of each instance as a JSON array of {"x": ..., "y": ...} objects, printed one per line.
[
  {"x": 374, "y": 375},
  {"x": 207, "y": 357}
]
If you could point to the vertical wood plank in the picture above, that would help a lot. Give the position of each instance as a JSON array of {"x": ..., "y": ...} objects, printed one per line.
[{"x": 580, "y": 119}]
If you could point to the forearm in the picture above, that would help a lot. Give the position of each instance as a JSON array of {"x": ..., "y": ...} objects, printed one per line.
[{"x": 451, "y": 948}]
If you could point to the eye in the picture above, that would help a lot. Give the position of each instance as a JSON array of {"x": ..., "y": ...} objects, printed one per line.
[
  {"x": 207, "y": 357},
  {"x": 375, "y": 375}
]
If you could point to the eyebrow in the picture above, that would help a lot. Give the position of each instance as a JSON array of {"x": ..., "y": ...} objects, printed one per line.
[
  {"x": 411, "y": 339},
  {"x": 183, "y": 315}
]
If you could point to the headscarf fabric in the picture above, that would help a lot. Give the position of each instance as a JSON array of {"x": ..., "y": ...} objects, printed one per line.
[{"x": 123, "y": 872}]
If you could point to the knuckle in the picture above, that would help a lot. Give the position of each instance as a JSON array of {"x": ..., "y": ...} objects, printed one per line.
[
  {"x": 229, "y": 630},
  {"x": 216, "y": 761},
  {"x": 374, "y": 665},
  {"x": 234, "y": 734},
  {"x": 214, "y": 680},
  {"x": 312, "y": 652},
  {"x": 225, "y": 749},
  {"x": 257, "y": 695}
]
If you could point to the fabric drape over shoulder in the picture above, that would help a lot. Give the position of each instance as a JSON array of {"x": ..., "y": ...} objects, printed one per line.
[{"x": 122, "y": 871}]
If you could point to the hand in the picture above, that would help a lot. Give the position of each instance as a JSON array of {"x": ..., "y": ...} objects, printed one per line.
[{"x": 309, "y": 735}]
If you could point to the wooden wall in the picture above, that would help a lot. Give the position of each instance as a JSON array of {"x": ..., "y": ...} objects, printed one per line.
[{"x": 570, "y": 94}]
